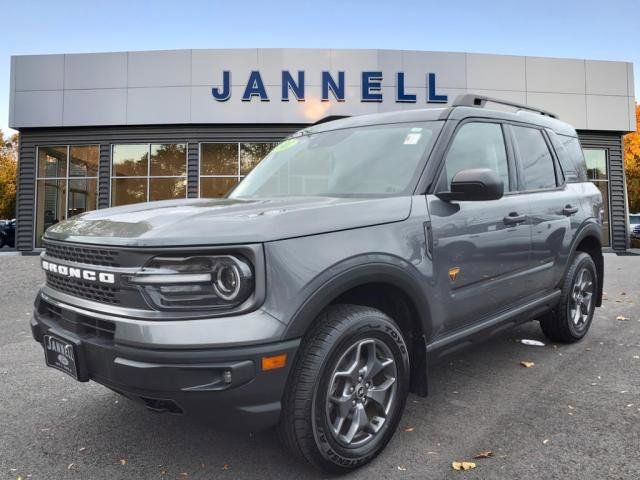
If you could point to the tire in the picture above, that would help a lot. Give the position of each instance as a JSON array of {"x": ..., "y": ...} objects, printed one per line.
[
  {"x": 325, "y": 432},
  {"x": 570, "y": 320},
  {"x": 2, "y": 241}
]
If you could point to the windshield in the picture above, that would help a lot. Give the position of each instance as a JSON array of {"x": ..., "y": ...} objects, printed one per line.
[
  {"x": 370, "y": 160},
  {"x": 634, "y": 219}
]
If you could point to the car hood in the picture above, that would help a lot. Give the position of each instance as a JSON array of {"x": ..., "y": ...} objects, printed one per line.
[{"x": 226, "y": 221}]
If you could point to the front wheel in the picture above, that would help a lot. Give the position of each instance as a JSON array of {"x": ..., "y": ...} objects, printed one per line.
[
  {"x": 347, "y": 389},
  {"x": 570, "y": 320}
]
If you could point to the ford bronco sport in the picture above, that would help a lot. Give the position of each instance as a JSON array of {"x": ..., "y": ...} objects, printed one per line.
[{"x": 316, "y": 293}]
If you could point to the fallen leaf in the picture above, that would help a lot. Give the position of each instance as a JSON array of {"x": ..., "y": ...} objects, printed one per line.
[
  {"x": 527, "y": 364},
  {"x": 545, "y": 441},
  {"x": 402, "y": 469},
  {"x": 409, "y": 429},
  {"x": 70, "y": 466},
  {"x": 621, "y": 318},
  {"x": 123, "y": 461},
  {"x": 570, "y": 407},
  {"x": 463, "y": 465},
  {"x": 82, "y": 449},
  {"x": 532, "y": 343},
  {"x": 226, "y": 466},
  {"x": 623, "y": 293},
  {"x": 484, "y": 454}
]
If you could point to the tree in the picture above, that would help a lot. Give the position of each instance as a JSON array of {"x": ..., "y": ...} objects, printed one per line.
[
  {"x": 632, "y": 165},
  {"x": 8, "y": 175}
]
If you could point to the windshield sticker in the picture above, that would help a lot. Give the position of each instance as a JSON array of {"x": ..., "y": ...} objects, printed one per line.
[
  {"x": 416, "y": 129},
  {"x": 412, "y": 138},
  {"x": 286, "y": 145}
]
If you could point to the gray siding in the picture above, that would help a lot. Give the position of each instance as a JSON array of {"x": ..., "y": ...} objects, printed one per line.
[
  {"x": 105, "y": 136},
  {"x": 612, "y": 142}
]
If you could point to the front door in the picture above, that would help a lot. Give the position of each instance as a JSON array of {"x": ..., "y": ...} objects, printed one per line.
[{"x": 480, "y": 249}]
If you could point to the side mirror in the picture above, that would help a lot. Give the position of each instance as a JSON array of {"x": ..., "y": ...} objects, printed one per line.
[{"x": 474, "y": 184}]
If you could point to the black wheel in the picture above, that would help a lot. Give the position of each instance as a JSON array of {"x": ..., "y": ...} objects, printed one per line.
[
  {"x": 570, "y": 320},
  {"x": 2, "y": 241},
  {"x": 347, "y": 389}
]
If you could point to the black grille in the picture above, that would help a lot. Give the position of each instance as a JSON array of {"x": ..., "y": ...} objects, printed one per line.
[
  {"x": 90, "y": 255},
  {"x": 83, "y": 289},
  {"x": 73, "y": 322}
]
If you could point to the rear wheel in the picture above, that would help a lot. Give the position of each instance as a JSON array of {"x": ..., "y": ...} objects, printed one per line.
[
  {"x": 570, "y": 320},
  {"x": 347, "y": 390}
]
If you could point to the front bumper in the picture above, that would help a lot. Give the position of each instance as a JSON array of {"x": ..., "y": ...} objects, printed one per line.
[{"x": 225, "y": 385}]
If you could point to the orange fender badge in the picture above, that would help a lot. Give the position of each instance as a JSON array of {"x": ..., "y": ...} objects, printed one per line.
[{"x": 453, "y": 273}]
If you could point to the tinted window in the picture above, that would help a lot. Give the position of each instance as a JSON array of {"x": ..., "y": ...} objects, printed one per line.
[
  {"x": 535, "y": 158},
  {"x": 570, "y": 155},
  {"x": 477, "y": 145},
  {"x": 596, "y": 160}
]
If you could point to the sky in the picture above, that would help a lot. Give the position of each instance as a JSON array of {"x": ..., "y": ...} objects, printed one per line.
[{"x": 603, "y": 30}]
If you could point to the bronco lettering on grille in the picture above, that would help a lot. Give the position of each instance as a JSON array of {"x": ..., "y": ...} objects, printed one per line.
[{"x": 88, "y": 275}]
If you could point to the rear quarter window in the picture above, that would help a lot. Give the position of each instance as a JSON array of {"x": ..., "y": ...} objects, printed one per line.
[{"x": 570, "y": 156}]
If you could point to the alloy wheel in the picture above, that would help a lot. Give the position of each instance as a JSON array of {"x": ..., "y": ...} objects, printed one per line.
[
  {"x": 581, "y": 298},
  {"x": 362, "y": 389}
]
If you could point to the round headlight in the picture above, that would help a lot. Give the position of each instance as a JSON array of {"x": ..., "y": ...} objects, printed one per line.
[{"x": 227, "y": 282}]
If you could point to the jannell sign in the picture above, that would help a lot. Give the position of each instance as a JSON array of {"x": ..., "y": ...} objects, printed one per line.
[{"x": 334, "y": 85}]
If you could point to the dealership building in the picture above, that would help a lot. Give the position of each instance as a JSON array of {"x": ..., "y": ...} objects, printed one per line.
[{"x": 107, "y": 129}]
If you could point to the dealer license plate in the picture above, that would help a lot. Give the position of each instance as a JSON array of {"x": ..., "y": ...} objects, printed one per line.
[{"x": 61, "y": 354}]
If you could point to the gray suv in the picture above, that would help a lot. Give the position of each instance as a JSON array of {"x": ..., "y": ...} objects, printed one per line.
[{"x": 314, "y": 296}]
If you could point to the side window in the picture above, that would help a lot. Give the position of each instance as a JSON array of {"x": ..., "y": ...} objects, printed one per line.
[
  {"x": 566, "y": 162},
  {"x": 574, "y": 149},
  {"x": 535, "y": 158},
  {"x": 477, "y": 145}
]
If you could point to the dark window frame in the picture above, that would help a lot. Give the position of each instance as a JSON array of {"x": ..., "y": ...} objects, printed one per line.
[
  {"x": 560, "y": 178},
  {"x": 66, "y": 178},
  {"x": 148, "y": 177}
]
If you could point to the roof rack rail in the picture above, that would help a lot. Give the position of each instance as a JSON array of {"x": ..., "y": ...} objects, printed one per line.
[
  {"x": 471, "y": 100},
  {"x": 330, "y": 118}
]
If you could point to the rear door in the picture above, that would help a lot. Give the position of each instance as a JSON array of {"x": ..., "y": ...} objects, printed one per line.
[
  {"x": 553, "y": 207},
  {"x": 480, "y": 249}
]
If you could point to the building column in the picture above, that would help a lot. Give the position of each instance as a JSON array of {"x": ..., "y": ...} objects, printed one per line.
[
  {"x": 104, "y": 175},
  {"x": 192, "y": 169}
]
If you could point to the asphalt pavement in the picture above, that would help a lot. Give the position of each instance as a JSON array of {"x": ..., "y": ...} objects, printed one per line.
[{"x": 574, "y": 414}]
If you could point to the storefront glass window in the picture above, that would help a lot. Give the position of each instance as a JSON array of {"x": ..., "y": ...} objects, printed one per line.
[
  {"x": 148, "y": 172},
  {"x": 596, "y": 160},
  {"x": 66, "y": 184},
  {"x": 223, "y": 165}
]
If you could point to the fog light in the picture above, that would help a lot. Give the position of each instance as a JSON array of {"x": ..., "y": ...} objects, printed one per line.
[{"x": 274, "y": 362}]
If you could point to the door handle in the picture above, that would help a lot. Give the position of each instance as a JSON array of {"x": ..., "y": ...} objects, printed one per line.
[
  {"x": 513, "y": 218},
  {"x": 569, "y": 210}
]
